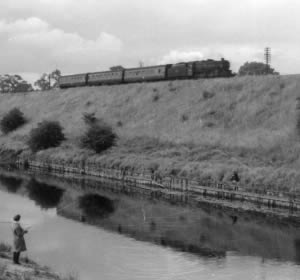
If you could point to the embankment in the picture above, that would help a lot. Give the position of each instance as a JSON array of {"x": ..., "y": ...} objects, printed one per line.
[
  {"x": 199, "y": 129},
  {"x": 27, "y": 269}
]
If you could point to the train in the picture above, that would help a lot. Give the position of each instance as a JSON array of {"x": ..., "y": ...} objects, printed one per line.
[{"x": 117, "y": 75}]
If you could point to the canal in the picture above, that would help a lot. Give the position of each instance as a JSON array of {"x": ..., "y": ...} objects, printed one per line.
[{"x": 97, "y": 231}]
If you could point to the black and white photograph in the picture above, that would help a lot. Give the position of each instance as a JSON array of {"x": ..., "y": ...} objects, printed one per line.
[{"x": 149, "y": 140}]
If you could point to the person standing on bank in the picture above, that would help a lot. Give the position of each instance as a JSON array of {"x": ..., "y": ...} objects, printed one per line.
[{"x": 19, "y": 241}]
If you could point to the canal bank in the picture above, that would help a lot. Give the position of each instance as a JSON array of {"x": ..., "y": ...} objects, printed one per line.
[
  {"x": 26, "y": 270},
  {"x": 214, "y": 193}
]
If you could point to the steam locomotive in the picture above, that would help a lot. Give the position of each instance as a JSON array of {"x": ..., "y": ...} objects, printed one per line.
[{"x": 188, "y": 70}]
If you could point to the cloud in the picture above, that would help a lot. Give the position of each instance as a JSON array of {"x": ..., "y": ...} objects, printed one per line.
[
  {"x": 236, "y": 54},
  {"x": 32, "y": 45},
  {"x": 175, "y": 56},
  {"x": 29, "y": 25},
  {"x": 83, "y": 35}
]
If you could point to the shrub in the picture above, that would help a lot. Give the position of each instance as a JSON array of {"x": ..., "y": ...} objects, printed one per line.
[
  {"x": 12, "y": 120},
  {"x": 184, "y": 117},
  {"x": 48, "y": 134},
  {"x": 98, "y": 137},
  {"x": 209, "y": 124},
  {"x": 155, "y": 97},
  {"x": 119, "y": 123},
  {"x": 89, "y": 118},
  {"x": 208, "y": 94},
  {"x": 88, "y": 103}
]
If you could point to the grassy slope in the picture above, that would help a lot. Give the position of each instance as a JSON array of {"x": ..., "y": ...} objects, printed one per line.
[{"x": 197, "y": 128}]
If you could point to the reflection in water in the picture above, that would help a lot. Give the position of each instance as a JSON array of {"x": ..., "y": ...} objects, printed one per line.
[
  {"x": 249, "y": 248},
  {"x": 96, "y": 206},
  {"x": 297, "y": 250},
  {"x": 44, "y": 195},
  {"x": 203, "y": 231},
  {"x": 12, "y": 184}
]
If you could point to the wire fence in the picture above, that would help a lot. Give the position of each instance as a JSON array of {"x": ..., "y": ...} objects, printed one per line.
[{"x": 232, "y": 191}]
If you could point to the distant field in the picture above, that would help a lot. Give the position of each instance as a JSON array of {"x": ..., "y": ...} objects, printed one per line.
[{"x": 194, "y": 128}]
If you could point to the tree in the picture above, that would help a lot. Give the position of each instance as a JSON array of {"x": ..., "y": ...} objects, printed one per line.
[
  {"x": 256, "y": 68},
  {"x": 48, "y": 81},
  {"x": 43, "y": 83},
  {"x": 14, "y": 83},
  {"x": 54, "y": 77}
]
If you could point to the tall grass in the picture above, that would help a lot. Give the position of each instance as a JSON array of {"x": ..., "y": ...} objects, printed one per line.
[
  {"x": 248, "y": 123},
  {"x": 2, "y": 271},
  {"x": 5, "y": 247}
]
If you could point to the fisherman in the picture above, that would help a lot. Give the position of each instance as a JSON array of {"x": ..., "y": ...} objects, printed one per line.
[{"x": 19, "y": 241}]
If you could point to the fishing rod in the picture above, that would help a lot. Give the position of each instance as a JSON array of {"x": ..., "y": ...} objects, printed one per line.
[
  {"x": 26, "y": 226},
  {"x": 66, "y": 206},
  {"x": 9, "y": 222}
]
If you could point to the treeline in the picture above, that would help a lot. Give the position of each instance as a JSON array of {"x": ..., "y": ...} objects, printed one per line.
[{"x": 15, "y": 83}]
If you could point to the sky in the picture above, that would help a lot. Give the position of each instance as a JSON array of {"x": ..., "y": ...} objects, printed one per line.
[{"x": 77, "y": 36}]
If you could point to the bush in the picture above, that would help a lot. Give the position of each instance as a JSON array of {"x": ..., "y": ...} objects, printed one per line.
[
  {"x": 89, "y": 118},
  {"x": 98, "y": 137},
  {"x": 155, "y": 97},
  {"x": 184, "y": 117},
  {"x": 119, "y": 123},
  {"x": 12, "y": 120},
  {"x": 207, "y": 94},
  {"x": 48, "y": 134}
]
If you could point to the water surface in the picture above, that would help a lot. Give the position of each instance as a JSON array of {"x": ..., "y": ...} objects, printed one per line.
[{"x": 110, "y": 235}]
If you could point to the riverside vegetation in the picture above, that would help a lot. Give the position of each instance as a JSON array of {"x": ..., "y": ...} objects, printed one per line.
[{"x": 193, "y": 128}]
